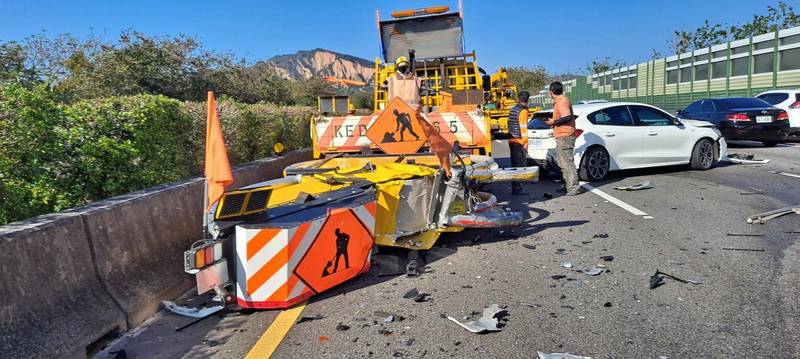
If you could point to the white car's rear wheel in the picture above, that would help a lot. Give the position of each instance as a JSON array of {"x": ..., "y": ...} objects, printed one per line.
[{"x": 594, "y": 165}]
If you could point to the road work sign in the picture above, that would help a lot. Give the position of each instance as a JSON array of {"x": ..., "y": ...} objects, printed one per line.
[{"x": 398, "y": 130}]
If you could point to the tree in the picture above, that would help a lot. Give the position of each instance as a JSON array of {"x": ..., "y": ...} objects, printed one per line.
[
  {"x": 603, "y": 64},
  {"x": 530, "y": 79},
  {"x": 780, "y": 17}
]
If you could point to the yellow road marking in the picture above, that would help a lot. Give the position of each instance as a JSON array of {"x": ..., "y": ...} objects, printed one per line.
[{"x": 269, "y": 341}]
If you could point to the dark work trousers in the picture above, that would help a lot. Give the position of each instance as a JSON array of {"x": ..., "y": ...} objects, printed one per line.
[{"x": 519, "y": 158}]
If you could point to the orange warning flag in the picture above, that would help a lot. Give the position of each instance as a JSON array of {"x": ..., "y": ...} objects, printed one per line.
[
  {"x": 438, "y": 144},
  {"x": 218, "y": 169}
]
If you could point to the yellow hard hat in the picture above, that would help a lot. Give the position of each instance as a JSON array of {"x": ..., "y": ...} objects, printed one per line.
[{"x": 400, "y": 60}]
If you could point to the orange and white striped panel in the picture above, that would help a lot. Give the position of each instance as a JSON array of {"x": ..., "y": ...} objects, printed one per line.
[
  {"x": 346, "y": 133},
  {"x": 269, "y": 273}
]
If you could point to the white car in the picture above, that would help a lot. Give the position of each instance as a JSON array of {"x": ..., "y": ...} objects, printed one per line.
[
  {"x": 787, "y": 100},
  {"x": 621, "y": 135}
]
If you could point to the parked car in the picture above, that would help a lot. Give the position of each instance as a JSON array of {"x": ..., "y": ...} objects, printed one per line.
[
  {"x": 787, "y": 100},
  {"x": 619, "y": 135},
  {"x": 741, "y": 118}
]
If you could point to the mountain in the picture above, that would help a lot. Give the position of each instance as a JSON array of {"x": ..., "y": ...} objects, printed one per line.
[{"x": 306, "y": 64}]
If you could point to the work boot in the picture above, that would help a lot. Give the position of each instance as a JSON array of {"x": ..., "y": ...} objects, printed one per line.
[{"x": 574, "y": 193}]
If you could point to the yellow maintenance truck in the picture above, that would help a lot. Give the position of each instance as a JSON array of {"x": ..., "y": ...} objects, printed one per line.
[{"x": 396, "y": 178}]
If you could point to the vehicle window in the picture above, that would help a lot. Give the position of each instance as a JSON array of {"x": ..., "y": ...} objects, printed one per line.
[
  {"x": 693, "y": 108},
  {"x": 612, "y": 116},
  {"x": 707, "y": 106},
  {"x": 742, "y": 102},
  {"x": 651, "y": 117},
  {"x": 774, "y": 98},
  {"x": 537, "y": 124}
]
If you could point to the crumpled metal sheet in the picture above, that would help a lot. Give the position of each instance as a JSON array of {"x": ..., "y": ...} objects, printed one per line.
[
  {"x": 761, "y": 218},
  {"x": 743, "y": 159},
  {"x": 636, "y": 187},
  {"x": 488, "y": 322},
  {"x": 412, "y": 210},
  {"x": 191, "y": 312},
  {"x": 560, "y": 356}
]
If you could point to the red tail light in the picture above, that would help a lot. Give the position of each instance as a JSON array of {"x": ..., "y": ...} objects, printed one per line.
[
  {"x": 578, "y": 132},
  {"x": 795, "y": 105},
  {"x": 783, "y": 116},
  {"x": 738, "y": 117},
  {"x": 209, "y": 255}
]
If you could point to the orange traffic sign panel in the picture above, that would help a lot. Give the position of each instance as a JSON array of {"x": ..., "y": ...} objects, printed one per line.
[
  {"x": 398, "y": 129},
  {"x": 339, "y": 252}
]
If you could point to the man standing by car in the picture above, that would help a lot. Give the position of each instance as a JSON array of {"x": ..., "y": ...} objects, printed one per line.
[
  {"x": 563, "y": 123},
  {"x": 518, "y": 142}
]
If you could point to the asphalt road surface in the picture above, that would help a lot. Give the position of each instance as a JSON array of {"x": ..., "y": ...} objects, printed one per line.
[{"x": 744, "y": 305}]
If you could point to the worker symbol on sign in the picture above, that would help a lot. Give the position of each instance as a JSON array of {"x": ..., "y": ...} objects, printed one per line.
[
  {"x": 403, "y": 124},
  {"x": 342, "y": 239}
]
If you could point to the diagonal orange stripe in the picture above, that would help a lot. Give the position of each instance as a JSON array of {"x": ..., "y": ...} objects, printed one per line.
[
  {"x": 268, "y": 270},
  {"x": 260, "y": 240},
  {"x": 476, "y": 134},
  {"x": 282, "y": 294},
  {"x": 298, "y": 238},
  {"x": 371, "y": 208},
  {"x": 324, "y": 141},
  {"x": 363, "y": 121}
]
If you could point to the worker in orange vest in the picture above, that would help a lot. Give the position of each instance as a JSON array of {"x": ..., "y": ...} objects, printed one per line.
[{"x": 404, "y": 84}]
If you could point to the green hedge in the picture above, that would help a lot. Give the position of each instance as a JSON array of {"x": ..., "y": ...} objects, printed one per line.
[{"x": 56, "y": 155}]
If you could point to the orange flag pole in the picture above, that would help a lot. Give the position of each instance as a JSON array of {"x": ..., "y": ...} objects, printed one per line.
[{"x": 217, "y": 167}]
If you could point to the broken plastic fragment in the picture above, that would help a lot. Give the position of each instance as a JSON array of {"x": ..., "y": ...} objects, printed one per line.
[
  {"x": 191, "y": 312},
  {"x": 593, "y": 271},
  {"x": 341, "y": 327},
  {"x": 743, "y": 159},
  {"x": 560, "y": 356},
  {"x": 636, "y": 187},
  {"x": 600, "y": 235},
  {"x": 492, "y": 320},
  {"x": 308, "y": 319},
  {"x": 566, "y": 265},
  {"x": 607, "y": 258},
  {"x": 411, "y": 293},
  {"x": 657, "y": 279}
]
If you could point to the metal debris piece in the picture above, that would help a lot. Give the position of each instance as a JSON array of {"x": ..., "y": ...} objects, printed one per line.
[
  {"x": 492, "y": 320},
  {"x": 191, "y": 312},
  {"x": 743, "y": 159},
  {"x": 389, "y": 319},
  {"x": 636, "y": 187},
  {"x": 560, "y": 356},
  {"x": 413, "y": 292},
  {"x": 594, "y": 271},
  {"x": 600, "y": 235},
  {"x": 743, "y": 249},
  {"x": 743, "y": 235},
  {"x": 561, "y": 251},
  {"x": 341, "y": 327},
  {"x": 607, "y": 258},
  {"x": 566, "y": 265},
  {"x": 657, "y": 279},
  {"x": 529, "y": 246},
  {"x": 558, "y": 276},
  {"x": 762, "y": 218},
  {"x": 530, "y": 305},
  {"x": 308, "y": 319}
]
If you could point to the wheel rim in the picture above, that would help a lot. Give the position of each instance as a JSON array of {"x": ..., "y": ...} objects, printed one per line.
[
  {"x": 598, "y": 164},
  {"x": 706, "y": 154}
]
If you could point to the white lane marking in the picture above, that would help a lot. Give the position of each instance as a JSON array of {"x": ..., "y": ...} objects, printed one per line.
[
  {"x": 789, "y": 174},
  {"x": 633, "y": 210}
]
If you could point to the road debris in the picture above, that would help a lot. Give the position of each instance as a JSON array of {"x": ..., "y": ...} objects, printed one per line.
[
  {"x": 743, "y": 235},
  {"x": 762, "y": 218},
  {"x": 593, "y": 272},
  {"x": 607, "y": 258},
  {"x": 566, "y": 265},
  {"x": 600, "y": 235},
  {"x": 637, "y": 187},
  {"x": 304, "y": 319},
  {"x": 341, "y": 327},
  {"x": 743, "y": 249},
  {"x": 560, "y": 356},
  {"x": 657, "y": 279},
  {"x": 743, "y": 159},
  {"x": 492, "y": 320},
  {"x": 558, "y": 276},
  {"x": 530, "y": 305},
  {"x": 417, "y": 296},
  {"x": 324, "y": 338},
  {"x": 529, "y": 246}
]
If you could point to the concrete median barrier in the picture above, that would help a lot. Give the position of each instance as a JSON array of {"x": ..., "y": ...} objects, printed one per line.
[
  {"x": 54, "y": 304},
  {"x": 71, "y": 278}
]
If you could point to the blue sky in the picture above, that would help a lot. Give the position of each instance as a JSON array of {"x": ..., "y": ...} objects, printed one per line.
[{"x": 562, "y": 35}]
